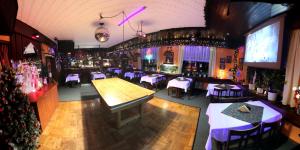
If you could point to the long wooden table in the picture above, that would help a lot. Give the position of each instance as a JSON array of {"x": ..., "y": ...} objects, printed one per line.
[{"x": 118, "y": 95}]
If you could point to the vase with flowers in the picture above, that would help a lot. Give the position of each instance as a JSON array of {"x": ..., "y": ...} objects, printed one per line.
[{"x": 297, "y": 98}]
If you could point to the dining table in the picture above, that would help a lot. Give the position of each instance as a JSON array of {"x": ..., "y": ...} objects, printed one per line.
[
  {"x": 73, "y": 77},
  {"x": 118, "y": 71},
  {"x": 152, "y": 78},
  {"x": 97, "y": 75},
  {"x": 180, "y": 82},
  {"x": 212, "y": 86},
  {"x": 133, "y": 74},
  {"x": 223, "y": 117},
  {"x": 111, "y": 69}
]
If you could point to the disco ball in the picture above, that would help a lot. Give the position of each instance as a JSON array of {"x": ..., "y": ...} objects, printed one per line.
[{"x": 101, "y": 34}]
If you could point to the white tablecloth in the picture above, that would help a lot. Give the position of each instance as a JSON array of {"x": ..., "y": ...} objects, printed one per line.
[
  {"x": 111, "y": 69},
  {"x": 97, "y": 75},
  {"x": 118, "y": 71},
  {"x": 210, "y": 90},
  {"x": 221, "y": 123},
  {"x": 152, "y": 80},
  {"x": 134, "y": 74},
  {"x": 129, "y": 75},
  {"x": 73, "y": 77},
  {"x": 180, "y": 84}
]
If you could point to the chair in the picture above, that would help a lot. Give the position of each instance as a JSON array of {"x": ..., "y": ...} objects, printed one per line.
[
  {"x": 159, "y": 82},
  {"x": 244, "y": 135},
  {"x": 236, "y": 92},
  {"x": 270, "y": 132},
  {"x": 219, "y": 92}
]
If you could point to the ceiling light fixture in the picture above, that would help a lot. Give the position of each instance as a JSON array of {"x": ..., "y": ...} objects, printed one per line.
[
  {"x": 140, "y": 33},
  {"x": 35, "y": 36},
  {"x": 132, "y": 14},
  {"x": 101, "y": 33}
]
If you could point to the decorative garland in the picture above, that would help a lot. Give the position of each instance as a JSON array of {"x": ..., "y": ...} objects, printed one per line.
[
  {"x": 235, "y": 65},
  {"x": 181, "y": 36}
]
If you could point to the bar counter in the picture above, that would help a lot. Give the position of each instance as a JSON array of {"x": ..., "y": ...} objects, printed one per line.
[{"x": 44, "y": 102}]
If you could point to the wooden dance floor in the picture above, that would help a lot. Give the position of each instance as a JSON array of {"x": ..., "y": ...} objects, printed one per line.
[
  {"x": 118, "y": 95},
  {"x": 80, "y": 125}
]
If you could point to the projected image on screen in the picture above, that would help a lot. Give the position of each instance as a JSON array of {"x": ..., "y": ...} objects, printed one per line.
[{"x": 262, "y": 45}]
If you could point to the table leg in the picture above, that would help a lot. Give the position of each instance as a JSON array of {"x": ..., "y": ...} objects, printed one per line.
[
  {"x": 119, "y": 119},
  {"x": 141, "y": 110},
  {"x": 178, "y": 92}
]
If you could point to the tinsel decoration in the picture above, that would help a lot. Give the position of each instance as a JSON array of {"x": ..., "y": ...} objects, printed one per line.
[
  {"x": 175, "y": 37},
  {"x": 235, "y": 64},
  {"x": 19, "y": 126}
]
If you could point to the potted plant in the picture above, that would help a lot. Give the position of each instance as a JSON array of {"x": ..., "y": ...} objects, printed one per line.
[
  {"x": 259, "y": 86},
  {"x": 275, "y": 83},
  {"x": 252, "y": 83}
]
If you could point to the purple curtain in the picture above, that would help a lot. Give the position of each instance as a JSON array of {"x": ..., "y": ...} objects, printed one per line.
[
  {"x": 196, "y": 53},
  {"x": 154, "y": 51}
]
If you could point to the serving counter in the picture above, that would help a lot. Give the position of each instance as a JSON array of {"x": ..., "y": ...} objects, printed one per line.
[{"x": 44, "y": 102}]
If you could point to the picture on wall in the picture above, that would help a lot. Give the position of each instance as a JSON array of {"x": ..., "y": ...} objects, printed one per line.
[
  {"x": 228, "y": 59},
  {"x": 222, "y": 60},
  {"x": 222, "y": 66}
]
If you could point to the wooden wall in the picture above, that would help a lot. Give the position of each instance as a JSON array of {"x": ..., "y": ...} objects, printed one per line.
[
  {"x": 243, "y": 70},
  {"x": 22, "y": 37},
  {"x": 221, "y": 53},
  {"x": 18, "y": 44},
  {"x": 163, "y": 49},
  {"x": 8, "y": 15}
]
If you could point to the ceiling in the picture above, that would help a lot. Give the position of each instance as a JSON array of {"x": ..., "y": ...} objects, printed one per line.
[
  {"x": 8, "y": 13},
  {"x": 239, "y": 16},
  {"x": 77, "y": 20}
]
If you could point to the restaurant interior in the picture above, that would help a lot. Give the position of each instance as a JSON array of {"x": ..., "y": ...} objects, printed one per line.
[{"x": 149, "y": 74}]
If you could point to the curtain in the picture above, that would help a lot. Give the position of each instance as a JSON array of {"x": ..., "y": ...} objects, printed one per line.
[
  {"x": 180, "y": 58},
  {"x": 292, "y": 73},
  {"x": 157, "y": 59},
  {"x": 139, "y": 60},
  {"x": 154, "y": 52},
  {"x": 196, "y": 53},
  {"x": 212, "y": 61},
  {"x": 4, "y": 55}
]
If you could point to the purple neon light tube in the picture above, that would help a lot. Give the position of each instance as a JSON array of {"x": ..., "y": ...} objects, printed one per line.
[{"x": 131, "y": 15}]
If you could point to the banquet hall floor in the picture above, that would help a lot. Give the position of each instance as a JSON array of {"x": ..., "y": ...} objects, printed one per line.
[
  {"x": 198, "y": 99},
  {"x": 83, "y": 125}
]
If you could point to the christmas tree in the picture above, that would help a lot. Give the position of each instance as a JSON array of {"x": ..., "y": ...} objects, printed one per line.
[{"x": 19, "y": 126}]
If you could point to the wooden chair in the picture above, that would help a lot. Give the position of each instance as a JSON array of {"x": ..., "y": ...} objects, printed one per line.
[
  {"x": 244, "y": 135},
  {"x": 219, "y": 93},
  {"x": 271, "y": 128},
  {"x": 270, "y": 133},
  {"x": 236, "y": 92},
  {"x": 215, "y": 99}
]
